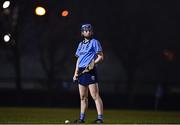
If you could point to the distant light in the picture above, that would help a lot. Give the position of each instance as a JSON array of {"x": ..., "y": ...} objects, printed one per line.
[
  {"x": 6, "y": 4},
  {"x": 65, "y": 13},
  {"x": 40, "y": 11},
  {"x": 169, "y": 55},
  {"x": 7, "y": 38}
]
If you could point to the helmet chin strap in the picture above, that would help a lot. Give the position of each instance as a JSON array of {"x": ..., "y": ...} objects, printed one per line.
[{"x": 87, "y": 38}]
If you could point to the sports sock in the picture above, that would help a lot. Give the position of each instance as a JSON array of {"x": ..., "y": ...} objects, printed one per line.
[
  {"x": 82, "y": 116},
  {"x": 100, "y": 117}
]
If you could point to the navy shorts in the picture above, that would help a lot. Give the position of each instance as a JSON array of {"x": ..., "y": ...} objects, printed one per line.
[{"x": 88, "y": 77}]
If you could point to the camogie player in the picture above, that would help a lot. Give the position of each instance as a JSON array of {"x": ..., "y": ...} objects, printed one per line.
[{"x": 89, "y": 53}]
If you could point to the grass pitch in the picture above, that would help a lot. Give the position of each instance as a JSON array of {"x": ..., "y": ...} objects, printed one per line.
[{"x": 10, "y": 115}]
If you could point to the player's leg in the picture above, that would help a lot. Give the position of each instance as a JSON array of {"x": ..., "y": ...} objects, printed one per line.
[
  {"x": 94, "y": 91},
  {"x": 83, "y": 91}
]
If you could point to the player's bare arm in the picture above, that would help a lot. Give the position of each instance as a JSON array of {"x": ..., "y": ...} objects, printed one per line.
[
  {"x": 100, "y": 57},
  {"x": 76, "y": 70}
]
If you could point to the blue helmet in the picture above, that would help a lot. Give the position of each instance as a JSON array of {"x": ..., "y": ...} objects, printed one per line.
[{"x": 86, "y": 27}]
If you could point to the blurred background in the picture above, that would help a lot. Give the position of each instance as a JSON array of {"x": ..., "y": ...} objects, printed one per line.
[{"x": 140, "y": 41}]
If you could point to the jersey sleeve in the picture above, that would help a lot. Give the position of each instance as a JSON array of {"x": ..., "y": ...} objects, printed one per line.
[
  {"x": 97, "y": 46},
  {"x": 78, "y": 50}
]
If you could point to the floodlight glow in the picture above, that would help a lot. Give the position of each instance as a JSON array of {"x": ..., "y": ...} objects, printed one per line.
[
  {"x": 40, "y": 11},
  {"x": 7, "y": 37},
  {"x": 6, "y": 4},
  {"x": 65, "y": 13}
]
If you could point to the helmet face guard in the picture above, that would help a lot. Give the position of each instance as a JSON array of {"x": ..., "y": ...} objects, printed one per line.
[{"x": 86, "y": 27}]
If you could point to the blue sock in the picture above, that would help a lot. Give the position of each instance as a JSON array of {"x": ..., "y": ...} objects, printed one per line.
[
  {"x": 82, "y": 116},
  {"x": 100, "y": 117}
]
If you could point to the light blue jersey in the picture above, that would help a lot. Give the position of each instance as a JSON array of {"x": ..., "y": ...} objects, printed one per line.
[{"x": 86, "y": 52}]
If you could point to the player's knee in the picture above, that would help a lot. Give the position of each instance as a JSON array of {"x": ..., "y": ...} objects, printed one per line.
[
  {"x": 83, "y": 98},
  {"x": 95, "y": 97}
]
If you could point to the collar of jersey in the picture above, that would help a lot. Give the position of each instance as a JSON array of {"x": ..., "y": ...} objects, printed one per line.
[{"x": 86, "y": 42}]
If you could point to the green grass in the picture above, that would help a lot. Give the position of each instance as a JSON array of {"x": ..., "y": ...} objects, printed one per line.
[{"x": 58, "y": 115}]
